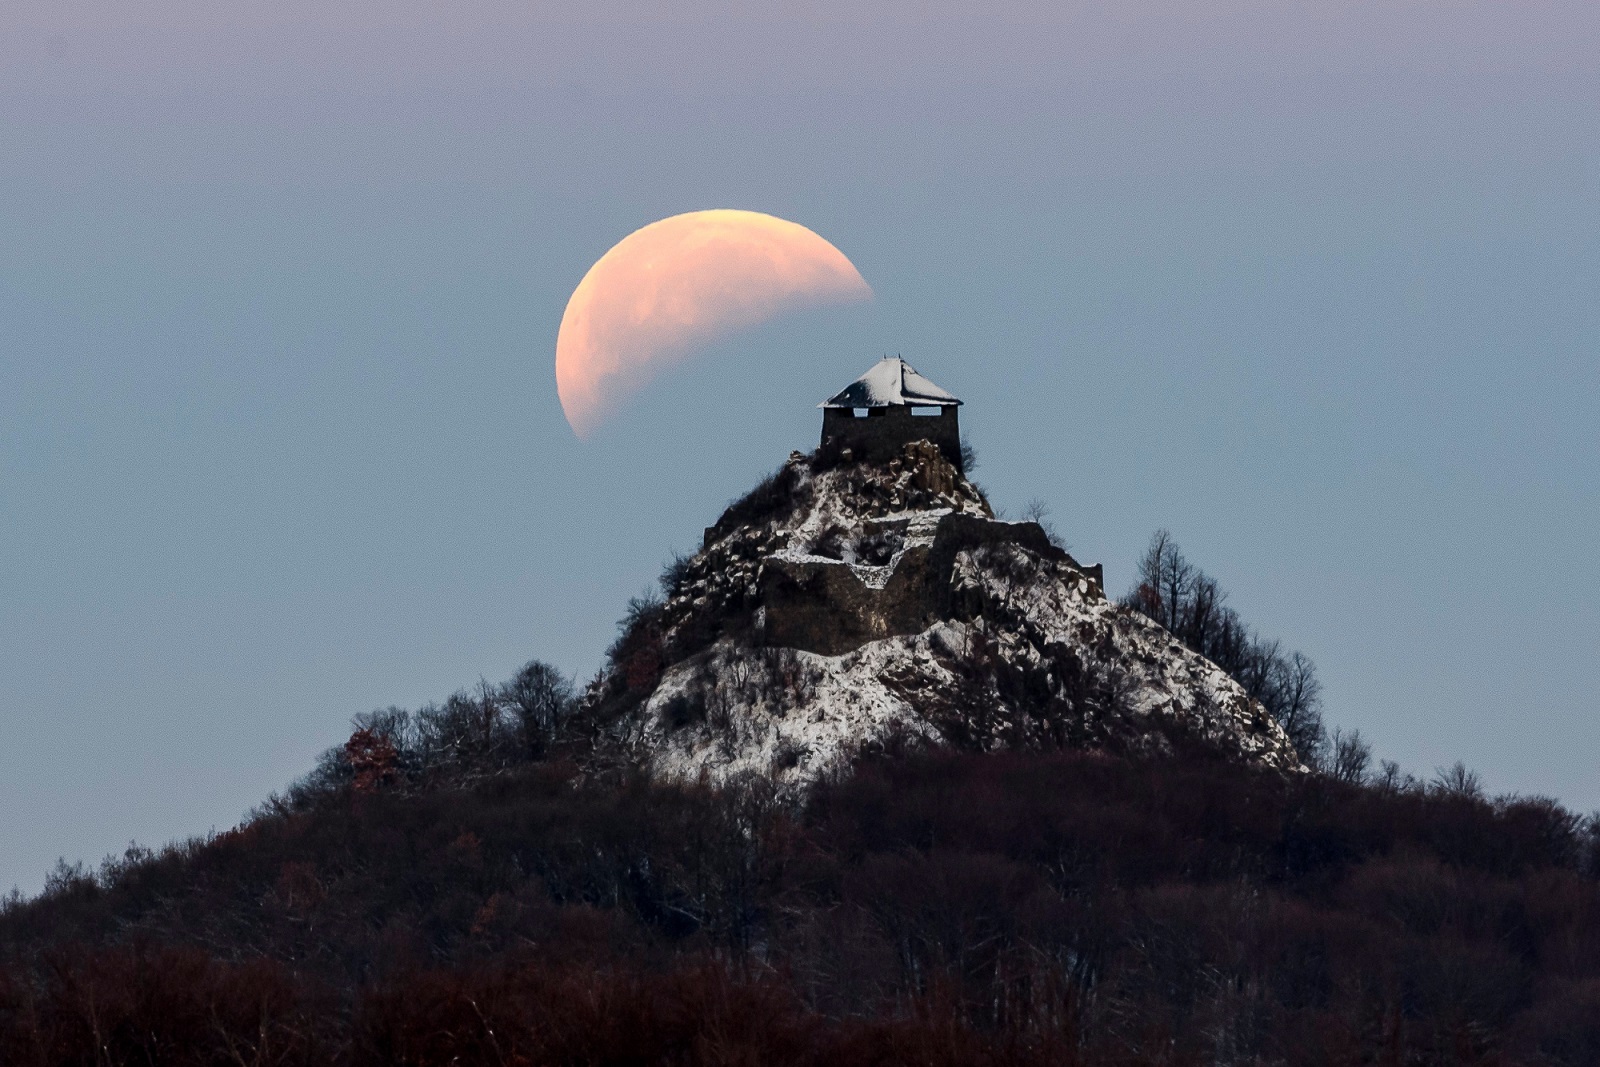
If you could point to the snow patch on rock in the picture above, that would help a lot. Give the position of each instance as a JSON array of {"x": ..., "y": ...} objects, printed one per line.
[{"x": 1025, "y": 649}]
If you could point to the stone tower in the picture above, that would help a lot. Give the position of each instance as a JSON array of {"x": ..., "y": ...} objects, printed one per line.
[{"x": 880, "y": 412}]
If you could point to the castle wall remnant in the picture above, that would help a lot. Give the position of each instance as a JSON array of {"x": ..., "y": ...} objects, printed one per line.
[
  {"x": 887, "y": 408},
  {"x": 881, "y": 433},
  {"x": 824, "y": 607}
]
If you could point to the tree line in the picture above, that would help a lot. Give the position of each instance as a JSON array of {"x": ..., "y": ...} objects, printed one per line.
[
  {"x": 465, "y": 884},
  {"x": 1195, "y": 609},
  {"x": 934, "y": 907}
]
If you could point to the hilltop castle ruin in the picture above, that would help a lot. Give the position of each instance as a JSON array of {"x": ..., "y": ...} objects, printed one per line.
[{"x": 885, "y": 409}]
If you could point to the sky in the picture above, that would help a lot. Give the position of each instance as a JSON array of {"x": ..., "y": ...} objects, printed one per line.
[{"x": 1314, "y": 286}]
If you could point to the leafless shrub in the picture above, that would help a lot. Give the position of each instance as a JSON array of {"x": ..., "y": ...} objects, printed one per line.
[
  {"x": 1390, "y": 779},
  {"x": 541, "y": 698},
  {"x": 1349, "y": 757},
  {"x": 674, "y": 574},
  {"x": 773, "y": 497},
  {"x": 1038, "y": 512},
  {"x": 1193, "y": 608},
  {"x": 1457, "y": 780}
]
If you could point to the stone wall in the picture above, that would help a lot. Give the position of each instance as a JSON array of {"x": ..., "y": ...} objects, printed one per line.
[
  {"x": 827, "y": 608},
  {"x": 880, "y": 435}
]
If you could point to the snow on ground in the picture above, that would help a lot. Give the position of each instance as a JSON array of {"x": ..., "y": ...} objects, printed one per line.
[{"x": 1029, "y": 633}]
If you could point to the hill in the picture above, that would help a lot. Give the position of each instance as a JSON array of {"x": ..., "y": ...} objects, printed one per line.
[
  {"x": 880, "y": 777},
  {"x": 843, "y": 604},
  {"x": 937, "y": 908}
]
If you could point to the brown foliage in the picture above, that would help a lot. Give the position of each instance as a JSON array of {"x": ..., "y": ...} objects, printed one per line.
[
  {"x": 170, "y": 1006},
  {"x": 372, "y": 758},
  {"x": 931, "y": 908}
]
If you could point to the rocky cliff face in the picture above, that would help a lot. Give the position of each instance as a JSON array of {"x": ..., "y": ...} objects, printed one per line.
[{"x": 858, "y": 605}]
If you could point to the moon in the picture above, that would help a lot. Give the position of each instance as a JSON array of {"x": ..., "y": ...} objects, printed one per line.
[{"x": 671, "y": 287}]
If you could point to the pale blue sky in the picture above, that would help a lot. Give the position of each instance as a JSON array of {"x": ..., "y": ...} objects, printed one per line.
[{"x": 279, "y": 439}]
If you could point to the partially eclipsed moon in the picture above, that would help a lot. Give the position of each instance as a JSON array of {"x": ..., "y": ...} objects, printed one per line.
[{"x": 675, "y": 285}]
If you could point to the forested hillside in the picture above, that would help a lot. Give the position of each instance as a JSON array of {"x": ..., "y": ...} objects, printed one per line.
[
  {"x": 931, "y": 908},
  {"x": 501, "y": 879}
]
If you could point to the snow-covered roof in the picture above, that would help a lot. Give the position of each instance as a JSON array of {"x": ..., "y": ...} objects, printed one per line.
[{"x": 891, "y": 383}]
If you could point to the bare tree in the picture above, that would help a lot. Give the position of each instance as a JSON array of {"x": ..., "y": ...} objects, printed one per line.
[
  {"x": 1038, "y": 512},
  {"x": 1194, "y": 608},
  {"x": 540, "y": 697},
  {"x": 1296, "y": 702},
  {"x": 1457, "y": 780},
  {"x": 1349, "y": 757},
  {"x": 969, "y": 458}
]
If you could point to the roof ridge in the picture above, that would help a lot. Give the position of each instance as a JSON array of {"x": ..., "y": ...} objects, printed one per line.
[{"x": 900, "y": 386}]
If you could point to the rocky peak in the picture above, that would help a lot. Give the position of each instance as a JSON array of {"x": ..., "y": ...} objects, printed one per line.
[{"x": 844, "y": 605}]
